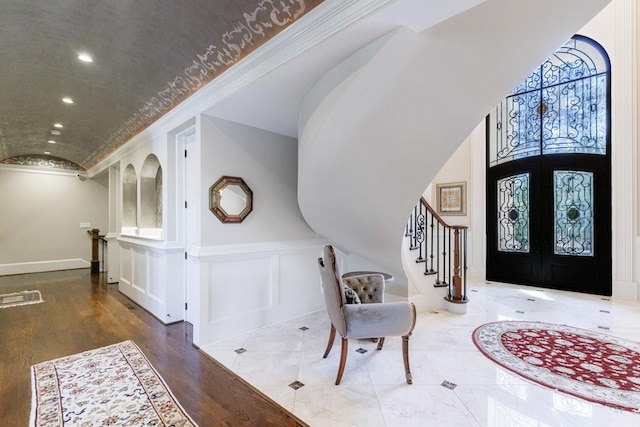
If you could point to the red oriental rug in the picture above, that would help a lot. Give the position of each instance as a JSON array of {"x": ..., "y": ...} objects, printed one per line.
[
  {"x": 108, "y": 386},
  {"x": 590, "y": 365}
]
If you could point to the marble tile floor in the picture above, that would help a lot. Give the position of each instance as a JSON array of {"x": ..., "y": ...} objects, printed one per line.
[{"x": 279, "y": 358}]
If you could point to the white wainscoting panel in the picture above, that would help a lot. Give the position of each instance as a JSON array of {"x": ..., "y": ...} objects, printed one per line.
[
  {"x": 156, "y": 282},
  {"x": 139, "y": 264},
  {"x": 113, "y": 257},
  {"x": 152, "y": 275},
  {"x": 126, "y": 276},
  {"x": 299, "y": 273},
  {"x": 241, "y": 288}
]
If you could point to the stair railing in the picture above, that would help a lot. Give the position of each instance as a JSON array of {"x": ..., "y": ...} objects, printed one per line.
[{"x": 442, "y": 248}]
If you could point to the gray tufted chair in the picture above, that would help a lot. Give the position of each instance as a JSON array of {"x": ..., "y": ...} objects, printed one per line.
[{"x": 354, "y": 321}]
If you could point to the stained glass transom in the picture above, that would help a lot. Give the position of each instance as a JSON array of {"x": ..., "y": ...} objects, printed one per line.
[
  {"x": 562, "y": 107},
  {"x": 573, "y": 213},
  {"x": 513, "y": 213}
]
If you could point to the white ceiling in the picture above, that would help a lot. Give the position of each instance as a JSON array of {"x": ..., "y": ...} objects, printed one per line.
[{"x": 272, "y": 102}]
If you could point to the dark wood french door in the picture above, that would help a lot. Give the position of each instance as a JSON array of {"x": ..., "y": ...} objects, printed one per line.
[{"x": 550, "y": 223}]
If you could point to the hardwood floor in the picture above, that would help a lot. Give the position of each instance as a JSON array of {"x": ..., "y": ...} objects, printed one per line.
[{"x": 81, "y": 312}]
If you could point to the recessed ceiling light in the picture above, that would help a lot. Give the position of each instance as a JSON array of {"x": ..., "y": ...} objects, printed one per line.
[
  {"x": 85, "y": 57},
  {"x": 55, "y": 132},
  {"x": 58, "y": 125},
  {"x": 51, "y": 141},
  {"x": 67, "y": 100},
  {"x": 47, "y": 152}
]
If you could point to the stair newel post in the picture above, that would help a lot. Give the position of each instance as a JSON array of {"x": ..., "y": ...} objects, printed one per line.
[
  {"x": 95, "y": 240},
  {"x": 457, "y": 279}
]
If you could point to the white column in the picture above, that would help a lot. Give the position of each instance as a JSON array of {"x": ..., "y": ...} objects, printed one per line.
[
  {"x": 115, "y": 222},
  {"x": 624, "y": 152},
  {"x": 477, "y": 203}
]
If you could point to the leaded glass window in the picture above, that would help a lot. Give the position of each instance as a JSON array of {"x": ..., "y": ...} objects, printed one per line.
[
  {"x": 573, "y": 213},
  {"x": 513, "y": 213},
  {"x": 560, "y": 108}
]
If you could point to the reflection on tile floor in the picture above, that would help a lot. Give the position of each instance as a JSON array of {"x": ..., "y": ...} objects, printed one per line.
[{"x": 373, "y": 391}]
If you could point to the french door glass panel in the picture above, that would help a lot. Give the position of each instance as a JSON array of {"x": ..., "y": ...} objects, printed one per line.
[
  {"x": 573, "y": 213},
  {"x": 513, "y": 213}
]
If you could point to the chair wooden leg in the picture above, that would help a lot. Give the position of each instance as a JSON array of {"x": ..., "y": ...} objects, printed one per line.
[
  {"x": 332, "y": 336},
  {"x": 343, "y": 360},
  {"x": 405, "y": 355},
  {"x": 380, "y": 343}
]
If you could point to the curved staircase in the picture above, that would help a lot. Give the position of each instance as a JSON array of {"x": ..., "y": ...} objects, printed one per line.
[{"x": 375, "y": 130}]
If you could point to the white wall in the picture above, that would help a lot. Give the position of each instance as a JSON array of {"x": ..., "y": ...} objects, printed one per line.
[
  {"x": 468, "y": 164},
  {"x": 457, "y": 169},
  {"x": 236, "y": 276},
  {"x": 268, "y": 163},
  {"x": 615, "y": 29},
  {"x": 40, "y": 216},
  {"x": 264, "y": 270}
]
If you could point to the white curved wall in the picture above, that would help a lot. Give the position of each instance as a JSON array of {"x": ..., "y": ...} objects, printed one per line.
[{"x": 377, "y": 128}]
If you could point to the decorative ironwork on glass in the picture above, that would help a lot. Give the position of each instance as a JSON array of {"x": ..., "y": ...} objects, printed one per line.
[
  {"x": 562, "y": 107},
  {"x": 573, "y": 213},
  {"x": 513, "y": 213}
]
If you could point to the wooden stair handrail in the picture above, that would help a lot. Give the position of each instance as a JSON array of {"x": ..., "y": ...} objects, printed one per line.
[{"x": 439, "y": 218}]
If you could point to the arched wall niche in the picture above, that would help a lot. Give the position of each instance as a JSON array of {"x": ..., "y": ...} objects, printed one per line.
[
  {"x": 151, "y": 193},
  {"x": 129, "y": 197}
]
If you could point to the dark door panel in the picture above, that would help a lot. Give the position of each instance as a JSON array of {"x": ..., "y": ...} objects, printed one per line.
[
  {"x": 568, "y": 225},
  {"x": 515, "y": 268}
]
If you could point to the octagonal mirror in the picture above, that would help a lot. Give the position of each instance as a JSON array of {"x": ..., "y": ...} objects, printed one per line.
[{"x": 230, "y": 199}]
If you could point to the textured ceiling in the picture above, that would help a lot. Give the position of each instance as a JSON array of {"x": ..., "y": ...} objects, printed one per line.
[{"x": 148, "y": 56}]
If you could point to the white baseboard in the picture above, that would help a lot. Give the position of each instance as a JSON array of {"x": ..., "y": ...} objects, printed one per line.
[{"x": 42, "y": 266}]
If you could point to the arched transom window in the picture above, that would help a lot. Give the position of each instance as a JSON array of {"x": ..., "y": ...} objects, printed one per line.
[{"x": 562, "y": 107}]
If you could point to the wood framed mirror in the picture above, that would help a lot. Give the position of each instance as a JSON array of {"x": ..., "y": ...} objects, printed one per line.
[{"x": 230, "y": 199}]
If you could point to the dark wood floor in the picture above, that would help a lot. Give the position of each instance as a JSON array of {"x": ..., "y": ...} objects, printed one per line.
[{"x": 81, "y": 312}]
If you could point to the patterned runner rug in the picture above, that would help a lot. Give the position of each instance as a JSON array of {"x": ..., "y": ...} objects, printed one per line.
[
  {"x": 20, "y": 298},
  {"x": 113, "y": 385},
  {"x": 593, "y": 366}
]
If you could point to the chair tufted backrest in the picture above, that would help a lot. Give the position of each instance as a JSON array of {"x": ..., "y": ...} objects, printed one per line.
[
  {"x": 333, "y": 293},
  {"x": 369, "y": 287}
]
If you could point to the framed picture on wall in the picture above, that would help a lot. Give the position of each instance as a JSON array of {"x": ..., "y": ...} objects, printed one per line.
[{"x": 451, "y": 198}]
